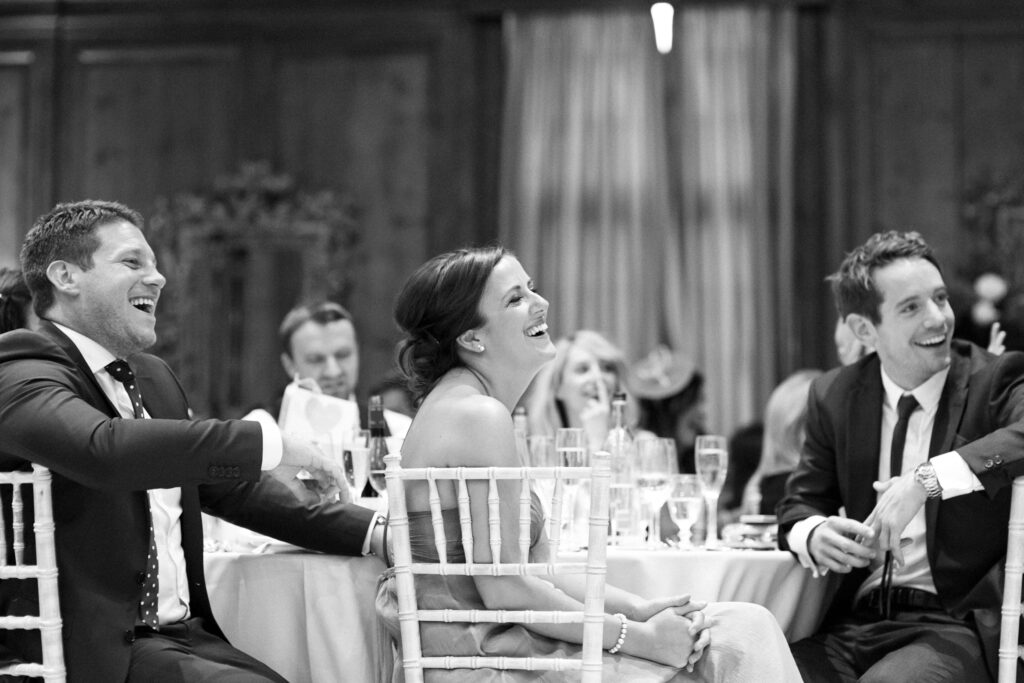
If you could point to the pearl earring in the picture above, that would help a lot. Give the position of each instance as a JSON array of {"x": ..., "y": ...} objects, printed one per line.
[{"x": 480, "y": 348}]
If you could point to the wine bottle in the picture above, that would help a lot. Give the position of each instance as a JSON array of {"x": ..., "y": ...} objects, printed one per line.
[
  {"x": 623, "y": 509},
  {"x": 378, "y": 444}
]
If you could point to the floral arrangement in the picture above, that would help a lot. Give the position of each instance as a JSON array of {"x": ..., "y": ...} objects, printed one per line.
[{"x": 993, "y": 220}]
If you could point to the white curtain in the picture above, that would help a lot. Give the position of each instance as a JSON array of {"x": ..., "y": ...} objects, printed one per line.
[
  {"x": 736, "y": 68},
  {"x": 584, "y": 194},
  {"x": 651, "y": 198}
]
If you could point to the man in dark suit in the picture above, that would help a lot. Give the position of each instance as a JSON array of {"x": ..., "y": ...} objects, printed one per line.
[
  {"x": 130, "y": 478},
  {"x": 919, "y": 551}
]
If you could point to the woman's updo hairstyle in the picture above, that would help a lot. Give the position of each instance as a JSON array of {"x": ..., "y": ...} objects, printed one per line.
[{"x": 438, "y": 302}]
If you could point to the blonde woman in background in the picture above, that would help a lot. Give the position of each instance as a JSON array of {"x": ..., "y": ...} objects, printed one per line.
[
  {"x": 575, "y": 389},
  {"x": 784, "y": 422}
]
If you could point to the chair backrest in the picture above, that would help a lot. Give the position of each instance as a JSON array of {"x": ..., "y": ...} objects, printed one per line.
[
  {"x": 1009, "y": 649},
  {"x": 44, "y": 571},
  {"x": 592, "y": 616}
]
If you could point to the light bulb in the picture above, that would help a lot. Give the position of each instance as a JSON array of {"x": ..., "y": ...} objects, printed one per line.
[{"x": 661, "y": 15}]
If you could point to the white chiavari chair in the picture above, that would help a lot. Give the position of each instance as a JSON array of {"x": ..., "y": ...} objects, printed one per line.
[
  {"x": 410, "y": 616},
  {"x": 1010, "y": 651},
  {"x": 44, "y": 571}
]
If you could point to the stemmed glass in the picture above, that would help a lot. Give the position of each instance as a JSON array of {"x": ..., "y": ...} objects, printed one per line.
[
  {"x": 355, "y": 460},
  {"x": 542, "y": 454},
  {"x": 712, "y": 458},
  {"x": 651, "y": 471},
  {"x": 570, "y": 445},
  {"x": 685, "y": 501},
  {"x": 673, "y": 453}
]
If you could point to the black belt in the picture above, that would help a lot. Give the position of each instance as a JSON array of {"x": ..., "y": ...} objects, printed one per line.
[{"x": 902, "y": 598}]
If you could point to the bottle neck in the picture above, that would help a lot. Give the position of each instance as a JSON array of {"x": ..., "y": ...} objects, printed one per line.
[
  {"x": 618, "y": 419},
  {"x": 375, "y": 420}
]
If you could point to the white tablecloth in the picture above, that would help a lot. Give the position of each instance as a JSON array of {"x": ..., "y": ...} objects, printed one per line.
[
  {"x": 311, "y": 617},
  {"x": 308, "y": 616}
]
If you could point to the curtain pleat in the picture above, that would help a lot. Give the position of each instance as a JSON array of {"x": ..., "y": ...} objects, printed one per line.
[{"x": 654, "y": 204}]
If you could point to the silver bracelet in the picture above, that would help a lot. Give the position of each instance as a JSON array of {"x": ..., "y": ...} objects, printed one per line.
[{"x": 623, "y": 628}]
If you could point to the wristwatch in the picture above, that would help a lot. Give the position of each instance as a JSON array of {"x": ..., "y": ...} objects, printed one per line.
[{"x": 924, "y": 474}]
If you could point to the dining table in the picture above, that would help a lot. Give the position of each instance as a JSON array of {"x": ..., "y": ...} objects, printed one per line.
[{"x": 311, "y": 616}]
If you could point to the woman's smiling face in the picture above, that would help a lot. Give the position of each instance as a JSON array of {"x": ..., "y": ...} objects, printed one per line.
[{"x": 515, "y": 316}]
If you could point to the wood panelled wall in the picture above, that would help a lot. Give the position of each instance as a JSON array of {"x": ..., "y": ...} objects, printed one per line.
[
  {"x": 134, "y": 101},
  {"x": 902, "y": 106},
  {"x": 922, "y": 104}
]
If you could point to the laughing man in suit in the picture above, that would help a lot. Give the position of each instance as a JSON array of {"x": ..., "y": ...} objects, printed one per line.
[
  {"x": 96, "y": 288},
  {"x": 941, "y": 518}
]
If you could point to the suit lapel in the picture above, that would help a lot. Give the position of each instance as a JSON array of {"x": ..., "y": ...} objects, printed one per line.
[
  {"x": 947, "y": 420},
  {"x": 154, "y": 395},
  {"x": 95, "y": 394},
  {"x": 951, "y": 406},
  {"x": 865, "y": 411}
]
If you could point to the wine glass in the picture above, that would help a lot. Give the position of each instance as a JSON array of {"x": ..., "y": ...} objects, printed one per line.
[
  {"x": 651, "y": 472},
  {"x": 355, "y": 459},
  {"x": 570, "y": 447},
  {"x": 673, "y": 452},
  {"x": 378, "y": 479},
  {"x": 685, "y": 502},
  {"x": 542, "y": 454},
  {"x": 712, "y": 458}
]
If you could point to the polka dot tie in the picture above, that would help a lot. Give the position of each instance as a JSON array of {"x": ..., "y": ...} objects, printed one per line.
[{"x": 122, "y": 372}]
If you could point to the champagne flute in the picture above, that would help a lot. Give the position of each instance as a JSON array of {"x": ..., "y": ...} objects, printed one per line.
[
  {"x": 542, "y": 454},
  {"x": 651, "y": 473},
  {"x": 673, "y": 453},
  {"x": 712, "y": 458},
  {"x": 542, "y": 451},
  {"x": 570, "y": 446},
  {"x": 685, "y": 502},
  {"x": 356, "y": 460}
]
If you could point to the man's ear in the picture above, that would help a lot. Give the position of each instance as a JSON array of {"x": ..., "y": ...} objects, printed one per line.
[
  {"x": 470, "y": 341},
  {"x": 862, "y": 328},
  {"x": 289, "y": 365},
  {"x": 63, "y": 276}
]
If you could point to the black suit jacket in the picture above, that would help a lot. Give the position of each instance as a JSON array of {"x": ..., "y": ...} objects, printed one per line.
[
  {"x": 981, "y": 416},
  {"x": 53, "y": 412}
]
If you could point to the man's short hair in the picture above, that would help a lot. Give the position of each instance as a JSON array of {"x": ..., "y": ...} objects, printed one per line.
[
  {"x": 322, "y": 312},
  {"x": 853, "y": 285},
  {"x": 67, "y": 233}
]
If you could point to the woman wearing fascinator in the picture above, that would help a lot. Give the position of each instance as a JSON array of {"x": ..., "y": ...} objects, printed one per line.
[{"x": 670, "y": 392}]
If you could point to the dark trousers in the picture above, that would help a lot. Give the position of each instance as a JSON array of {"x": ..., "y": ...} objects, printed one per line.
[
  {"x": 914, "y": 645},
  {"x": 186, "y": 653}
]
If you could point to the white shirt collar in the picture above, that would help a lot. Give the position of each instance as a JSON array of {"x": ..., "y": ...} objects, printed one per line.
[
  {"x": 96, "y": 356},
  {"x": 927, "y": 393}
]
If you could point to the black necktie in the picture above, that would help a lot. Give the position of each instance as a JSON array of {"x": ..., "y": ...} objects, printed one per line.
[
  {"x": 122, "y": 372},
  {"x": 904, "y": 408}
]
